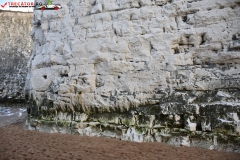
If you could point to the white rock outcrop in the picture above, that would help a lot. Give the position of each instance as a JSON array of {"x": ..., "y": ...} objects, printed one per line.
[
  {"x": 141, "y": 70},
  {"x": 15, "y": 51}
]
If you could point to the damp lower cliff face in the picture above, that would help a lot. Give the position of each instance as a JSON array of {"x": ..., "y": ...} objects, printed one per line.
[
  {"x": 15, "y": 50},
  {"x": 139, "y": 70}
]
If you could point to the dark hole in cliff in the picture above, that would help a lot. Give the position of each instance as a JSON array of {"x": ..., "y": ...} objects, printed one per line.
[
  {"x": 119, "y": 77},
  {"x": 221, "y": 64},
  {"x": 199, "y": 126},
  {"x": 45, "y": 76},
  {"x": 203, "y": 41},
  {"x": 184, "y": 18},
  {"x": 38, "y": 24},
  {"x": 234, "y": 37},
  {"x": 176, "y": 51},
  {"x": 64, "y": 75},
  {"x": 28, "y": 110},
  {"x": 115, "y": 32}
]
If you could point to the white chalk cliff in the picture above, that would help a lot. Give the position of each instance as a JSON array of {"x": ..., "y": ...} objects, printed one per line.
[
  {"x": 140, "y": 70},
  {"x": 15, "y": 50}
]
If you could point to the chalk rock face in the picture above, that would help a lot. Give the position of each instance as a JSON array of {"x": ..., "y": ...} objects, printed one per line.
[
  {"x": 140, "y": 70},
  {"x": 15, "y": 50}
]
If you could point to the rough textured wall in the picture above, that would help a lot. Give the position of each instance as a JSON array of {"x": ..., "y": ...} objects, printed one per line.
[
  {"x": 15, "y": 50},
  {"x": 140, "y": 70}
]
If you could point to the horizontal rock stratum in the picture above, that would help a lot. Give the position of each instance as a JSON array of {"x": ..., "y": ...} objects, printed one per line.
[{"x": 139, "y": 70}]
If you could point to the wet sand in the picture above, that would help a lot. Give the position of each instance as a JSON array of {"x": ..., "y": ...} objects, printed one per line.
[{"x": 16, "y": 142}]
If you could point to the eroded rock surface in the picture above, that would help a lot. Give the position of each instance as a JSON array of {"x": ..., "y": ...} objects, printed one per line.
[
  {"x": 140, "y": 70},
  {"x": 15, "y": 50}
]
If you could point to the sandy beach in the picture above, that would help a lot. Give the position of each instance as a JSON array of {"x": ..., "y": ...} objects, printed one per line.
[{"x": 16, "y": 142}]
